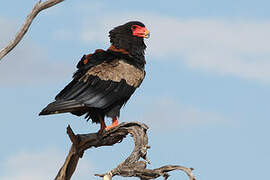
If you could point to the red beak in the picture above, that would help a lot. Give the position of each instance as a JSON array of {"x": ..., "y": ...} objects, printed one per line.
[{"x": 141, "y": 32}]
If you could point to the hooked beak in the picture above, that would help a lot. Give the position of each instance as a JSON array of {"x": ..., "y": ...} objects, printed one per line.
[
  {"x": 141, "y": 32},
  {"x": 146, "y": 34}
]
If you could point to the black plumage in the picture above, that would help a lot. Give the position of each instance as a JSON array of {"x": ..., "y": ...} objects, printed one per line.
[{"x": 105, "y": 80}]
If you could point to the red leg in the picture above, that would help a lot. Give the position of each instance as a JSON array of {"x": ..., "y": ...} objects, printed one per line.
[
  {"x": 102, "y": 125},
  {"x": 114, "y": 123}
]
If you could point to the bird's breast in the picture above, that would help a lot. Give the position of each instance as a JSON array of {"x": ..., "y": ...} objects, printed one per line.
[{"x": 116, "y": 71}]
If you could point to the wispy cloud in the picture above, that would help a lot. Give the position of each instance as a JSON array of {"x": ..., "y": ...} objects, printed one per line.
[
  {"x": 167, "y": 113},
  {"x": 28, "y": 63},
  {"x": 63, "y": 35},
  {"x": 42, "y": 165},
  {"x": 7, "y": 31},
  {"x": 225, "y": 47}
]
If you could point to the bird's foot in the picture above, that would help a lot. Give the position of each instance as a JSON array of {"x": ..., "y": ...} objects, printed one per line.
[
  {"x": 100, "y": 131},
  {"x": 102, "y": 126},
  {"x": 110, "y": 127},
  {"x": 114, "y": 124}
]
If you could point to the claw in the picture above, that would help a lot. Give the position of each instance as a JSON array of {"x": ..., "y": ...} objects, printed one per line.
[
  {"x": 102, "y": 125},
  {"x": 114, "y": 124},
  {"x": 100, "y": 131}
]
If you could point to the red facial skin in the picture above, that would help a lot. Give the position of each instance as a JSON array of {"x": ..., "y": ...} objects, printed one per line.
[{"x": 139, "y": 31}]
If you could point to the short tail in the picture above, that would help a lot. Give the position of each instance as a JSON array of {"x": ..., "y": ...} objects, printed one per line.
[{"x": 61, "y": 106}]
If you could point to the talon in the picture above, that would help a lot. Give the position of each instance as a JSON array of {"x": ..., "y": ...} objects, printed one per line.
[
  {"x": 114, "y": 124},
  {"x": 102, "y": 125},
  {"x": 109, "y": 127},
  {"x": 100, "y": 131}
]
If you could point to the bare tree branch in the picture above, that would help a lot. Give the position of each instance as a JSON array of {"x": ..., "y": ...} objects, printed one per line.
[
  {"x": 36, "y": 9},
  {"x": 131, "y": 167}
]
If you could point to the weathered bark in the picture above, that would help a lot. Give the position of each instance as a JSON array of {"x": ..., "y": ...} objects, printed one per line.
[
  {"x": 131, "y": 167},
  {"x": 39, "y": 6}
]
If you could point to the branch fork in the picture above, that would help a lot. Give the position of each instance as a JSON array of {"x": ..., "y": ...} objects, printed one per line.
[{"x": 131, "y": 167}]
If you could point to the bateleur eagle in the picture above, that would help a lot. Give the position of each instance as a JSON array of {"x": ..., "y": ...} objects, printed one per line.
[{"x": 105, "y": 80}]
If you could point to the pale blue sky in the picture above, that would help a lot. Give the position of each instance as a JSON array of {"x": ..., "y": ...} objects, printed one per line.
[{"x": 205, "y": 96}]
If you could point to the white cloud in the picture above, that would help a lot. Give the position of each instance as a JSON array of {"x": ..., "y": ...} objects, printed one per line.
[
  {"x": 39, "y": 166},
  {"x": 235, "y": 48},
  {"x": 27, "y": 63},
  {"x": 7, "y": 31},
  {"x": 63, "y": 35},
  {"x": 166, "y": 113}
]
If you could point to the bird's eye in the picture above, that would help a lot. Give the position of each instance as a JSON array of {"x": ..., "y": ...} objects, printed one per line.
[{"x": 133, "y": 27}]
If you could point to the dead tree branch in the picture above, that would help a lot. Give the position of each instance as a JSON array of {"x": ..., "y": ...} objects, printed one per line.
[
  {"x": 36, "y": 9},
  {"x": 131, "y": 167}
]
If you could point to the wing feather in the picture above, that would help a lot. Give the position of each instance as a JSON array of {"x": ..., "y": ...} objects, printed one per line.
[{"x": 105, "y": 85}]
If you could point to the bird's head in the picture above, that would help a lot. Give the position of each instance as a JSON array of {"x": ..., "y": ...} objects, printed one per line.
[
  {"x": 138, "y": 29},
  {"x": 130, "y": 36}
]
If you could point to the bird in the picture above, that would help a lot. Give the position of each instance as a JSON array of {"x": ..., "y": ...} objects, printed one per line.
[{"x": 106, "y": 79}]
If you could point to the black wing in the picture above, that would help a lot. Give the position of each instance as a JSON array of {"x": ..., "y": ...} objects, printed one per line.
[{"x": 102, "y": 86}]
